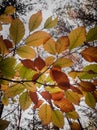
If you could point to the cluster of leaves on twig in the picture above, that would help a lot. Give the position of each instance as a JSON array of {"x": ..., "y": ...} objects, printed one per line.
[{"x": 24, "y": 71}]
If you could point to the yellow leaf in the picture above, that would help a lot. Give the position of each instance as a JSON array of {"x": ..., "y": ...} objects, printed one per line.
[
  {"x": 5, "y": 100},
  {"x": 26, "y": 52},
  {"x": 62, "y": 44},
  {"x": 49, "y": 60},
  {"x": 35, "y": 21},
  {"x": 5, "y": 18},
  {"x": 9, "y": 10},
  {"x": 30, "y": 86},
  {"x": 45, "y": 113},
  {"x": 3, "y": 49},
  {"x": 25, "y": 101},
  {"x": 49, "y": 46},
  {"x": 73, "y": 97},
  {"x": 17, "y": 30},
  {"x": 90, "y": 100},
  {"x": 37, "y": 38},
  {"x": 77, "y": 37},
  {"x": 50, "y": 23},
  {"x": 4, "y": 87},
  {"x": 63, "y": 62},
  {"x": 53, "y": 89},
  {"x": 58, "y": 118},
  {"x": 73, "y": 115}
]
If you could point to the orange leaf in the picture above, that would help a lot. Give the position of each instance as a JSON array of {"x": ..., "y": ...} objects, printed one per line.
[
  {"x": 90, "y": 54},
  {"x": 46, "y": 95},
  {"x": 39, "y": 63},
  {"x": 34, "y": 97},
  {"x": 28, "y": 63},
  {"x": 64, "y": 105},
  {"x": 75, "y": 126},
  {"x": 35, "y": 77},
  {"x": 57, "y": 96},
  {"x": 38, "y": 104},
  {"x": 61, "y": 78}
]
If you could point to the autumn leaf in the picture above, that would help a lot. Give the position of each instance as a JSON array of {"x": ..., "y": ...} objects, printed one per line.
[
  {"x": 61, "y": 78},
  {"x": 92, "y": 34},
  {"x": 39, "y": 103},
  {"x": 49, "y": 46},
  {"x": 53, "y": 89},
  {"x": 34, "y": 97},
  {"x": 30, "y": 86},
  {"x": 57, "y": 95},
  {"x": 64, "y": 105},
  {"x": 3, "y": 48},
  {"x": 26, "y": 52},
  {"x": 5, "y": 100},
  {"x": 90, "y": 54},
  {"x": 77, "y": 37},
  {"x": 63, "y": 62},
  {"x": 58, "y": 118},
  {"x": 35, "y": 21},
  {"x": 4, "y": 124},
  {"x": 45, "y": 114},
  {"x": 50, "y": 22},
  {"x": 9, "y": 10},
  {"x": 25, "y": 101},
  {"x": 0, "y": 26},
  {"x": 62, "y": 44},
  {"x": 73, "y": 115},
  {"x": 28, "y": 63},
  {"x": 95, "y": 95},
  {"x": 8, "y": 43},
  {"x": 75, "y": 126},
  {"x": 39, "y": 63},
  {"x": 17, "y": 30},
  {"x": 75, "y": 89},
  {"x": 90, "y": 100},
  {"x": 38, "y": 38},
  {"x": 72, "y": 97},
  {"x": 5, "y": 18},
  {"x": 46, "y": 95},
  {"x": 49, "y": 60}
]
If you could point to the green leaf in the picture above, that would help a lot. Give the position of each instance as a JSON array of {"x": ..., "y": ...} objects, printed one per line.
[
  {"x": 77, "y": 37},
  {"x": 58, "y": 118},
  {"x": 50, "y": 23},
  {"x": 92, "y": 34},
  {"x": 63, "y": 62},
  {"x": 26, "y": 73},
  {"x": 90, "y": 100},
  {"x": 15, "y": 90},
  {"x": 25, "y": 101},
  {"x": 7, "y": 67},
  {"x": 45, "y": 114},
  {"x": 73, "y": 115},
  {"x": 26, "y": 52},
  {"x": 3, "y": 124},
  {"x": 35, "y": 21},
  {"x": 17, "y": 30}
]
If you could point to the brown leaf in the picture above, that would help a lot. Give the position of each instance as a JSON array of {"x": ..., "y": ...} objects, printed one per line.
[
  {"x": 75, "y": 89},
  {"x": 39, "y": 63},
  {"x": 8, "y": 43},
  {"x": 34, "y": 97},
  {"x": 28, "y": 63},
  {"x": 57, "y": 96},
  {"x": 46, "y": 95},
  {"x": 39, "y": 103}
]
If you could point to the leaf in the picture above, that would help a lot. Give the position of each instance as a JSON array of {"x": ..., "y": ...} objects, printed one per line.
[
  {"x": 77, "y": 37},
  {"x": 92, "y": 34},
  {"x": 62, "y": 44},
  {"x": 0, "y": 26},
  {"x": 75, "y": 74},
  {"x": 4, "y": 124},
  {"x": 9, "y": 10},
  {"x": 49, "y": 46},
  {"x": 5, "y": 18},
  {"x": 64, "y": 105},
  {"x": 15, "y": 90},
  {"x": 73, "y": 115},
  {"x": 45, "y": 113},
  {"x": 75, "y": 89},
  {"x": 53, "y": 89},
  {"x": 7, "y": 67},
  {"x": 5, "y": 100},
  {"x": 3, "y": 48},
  {"x": 75, "y": 126},
  {"x": 35, "y": 21},
  {"x": 40, "y": 102},
  {"x": 72, "y": 97},
  {"x": 61, "y": 78},
  {"x": 95, "y": 95},
  {"x": 49, "y": 60},
  {"x": 25, "y": 101},
  {"x": 90, "y": 54},
  {"x": 26, "y": 52},
  {"x": 8, "y": 43},
  {"x": 58, "y": 118},
  {"x": 30, "y": 86},
  {"x": 87, "y": 86},
  {"x": 46, "y": 95},
  {"x": 50, "y": 23},
  {"x": 39, "y": 63},
  {"x": 17, "y": 30},
  {"x": 26, "y": 73},
  {"x": 34, "y": 97},
  {"x": 58, "y": 95},
  {"x": 90, "y": 100},
  {"x": 28, "y": 63},
  {"x": 37, "y": 38},
  {"x": 63, "y": 62}
]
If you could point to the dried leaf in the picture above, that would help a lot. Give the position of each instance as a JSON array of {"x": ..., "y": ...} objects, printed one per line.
[
  {"x": 28, "y": 63},
  {"x": 3, "y": 48},
  {"x": 34, "y": 97},
  {"x": 9, "y": 10},
  {"x": 57, "y": 95},
  {"x": 46, "y": 95},
  {"x": 5, "y": 18}
]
